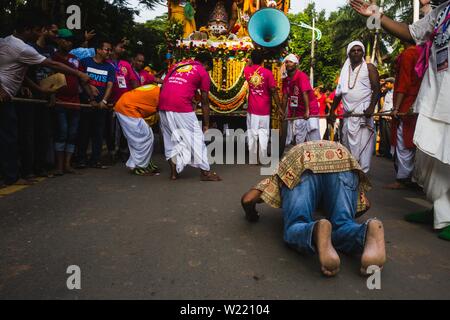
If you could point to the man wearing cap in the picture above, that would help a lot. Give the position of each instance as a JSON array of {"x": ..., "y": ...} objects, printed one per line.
[
  {"x": 359, "y": 90},
  {"x": 68, "y": 117},
  {"x": 300, "y": 101},
  {"x": 432, "y": 132}
]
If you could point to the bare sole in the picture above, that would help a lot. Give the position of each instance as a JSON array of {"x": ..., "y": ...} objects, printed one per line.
[
  {"x": 374, "y": 250},
  {"x": 328, "y": 257}
]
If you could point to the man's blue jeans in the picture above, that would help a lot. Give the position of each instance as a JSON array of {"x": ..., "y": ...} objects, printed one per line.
[
  {"x": 338, "y": 195},
  {"x": 66, "y": 137}
]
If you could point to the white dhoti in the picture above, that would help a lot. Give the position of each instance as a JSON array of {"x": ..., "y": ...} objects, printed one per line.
[
  {"x": 140, "y": 140},
  {"x": 358, "y": 135},
  {"x": 434, "y": 177},
  {"x": 258, "y": 132},
  {"x": 323, "y": 124},
  {"x": 306, "y": 130},
  {"x": 404, "y": 157},
  {"x": 290, "y": 132},
  {"x": 432, "y": 167},
  {"x": 184, "y": 142}
]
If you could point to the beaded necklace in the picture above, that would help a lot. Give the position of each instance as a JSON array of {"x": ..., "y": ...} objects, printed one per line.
[{"x": 356, "y": 78}]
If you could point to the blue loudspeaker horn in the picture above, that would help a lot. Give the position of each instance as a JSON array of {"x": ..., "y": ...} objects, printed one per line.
[{"x": 269, "y": 27}]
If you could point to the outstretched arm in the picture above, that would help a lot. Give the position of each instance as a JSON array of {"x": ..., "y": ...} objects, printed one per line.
[{"x": 397, "y": 29}]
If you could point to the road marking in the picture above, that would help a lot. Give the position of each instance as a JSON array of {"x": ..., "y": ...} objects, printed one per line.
[{"x": 13, "y": 189}]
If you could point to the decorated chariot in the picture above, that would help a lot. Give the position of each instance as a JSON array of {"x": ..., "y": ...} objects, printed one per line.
[{"x": 221, "y": 27}]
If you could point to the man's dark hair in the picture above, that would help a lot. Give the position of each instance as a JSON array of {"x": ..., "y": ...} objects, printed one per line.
[
  {"x": 205, "y": 58},
  {"x": 28, "y": 19},
  {"x": 98, "y": 44},
  {"x": 257, "y": 57}
]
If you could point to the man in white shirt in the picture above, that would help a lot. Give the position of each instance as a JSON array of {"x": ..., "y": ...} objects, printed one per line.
[
  {"x": 15, "y": 58},
  {"x": 432, "y": 134}
]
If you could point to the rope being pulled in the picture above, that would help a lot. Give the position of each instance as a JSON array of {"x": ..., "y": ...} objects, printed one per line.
[{"x": 58, "y": 103}]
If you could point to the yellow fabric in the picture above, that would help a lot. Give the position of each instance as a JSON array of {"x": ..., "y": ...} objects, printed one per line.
[
  {"x": 318, "y": 157},
  {"x": 177, "y": 15},
  {"x": 139, "y": 103}
]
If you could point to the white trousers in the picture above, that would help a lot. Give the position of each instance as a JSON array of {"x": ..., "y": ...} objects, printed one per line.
[
  {"x": 184, "y": 142},
  {"x": 258, "y": 133},
  {"x": 358, "y": 135},
  {"x": 306, "y": 130},
  {"x": 434, "y": 176},
  {"x": 404, "y": 158},
  {"x": 140, "y": 140}
]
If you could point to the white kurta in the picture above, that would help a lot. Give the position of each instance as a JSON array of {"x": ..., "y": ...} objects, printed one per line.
[
  {"x": 432, "y": 134},
  {"x": 140, "y": 140},
  {"x": 184, "y": 142},
  {"x": 358, "y": 134}
]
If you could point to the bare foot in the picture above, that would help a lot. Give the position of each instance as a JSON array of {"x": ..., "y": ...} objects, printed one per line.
[
  {"x": 173, "y": 171},
  {"x": 374, "y": 250},
  {"x": 328, "y": 257}
]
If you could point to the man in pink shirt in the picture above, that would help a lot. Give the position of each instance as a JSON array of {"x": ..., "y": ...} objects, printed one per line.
[
  {"x": 299, "y": 98},
  {"x": 143, "y": 76},
  {"x": 184, "y": 142},
  {"x": 262, "y": 88}
]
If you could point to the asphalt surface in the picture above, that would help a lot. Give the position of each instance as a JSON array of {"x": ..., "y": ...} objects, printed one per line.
[{"x": 152, "y": 238}]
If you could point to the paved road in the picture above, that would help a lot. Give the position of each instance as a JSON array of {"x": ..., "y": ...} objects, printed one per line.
[{"x": 151, "y": 238}]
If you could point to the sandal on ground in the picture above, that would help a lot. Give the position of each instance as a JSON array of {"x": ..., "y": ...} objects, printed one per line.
[
  {"x": 141, "y": 172},
  {"x": 58, "y": 173},
  {"x": 153, "y": 168},
  {"x": 99, "y": 165},
  {"x": 211, "y": 176}
]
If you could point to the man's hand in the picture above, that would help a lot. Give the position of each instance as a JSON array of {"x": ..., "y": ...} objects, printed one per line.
[
  {"x": 94, "y": 91},
  {"x": 362, "y": 7},
  {"x": 331, "y": 118},
  {"x": 102, "y": 105},
  {"x": 88, "y": 36},
  {"x": 84, "y": 77},
  {"x": 4, "y": 96},
  {"x": 94, "y": 104},
  {"x": 394, "y": 113},
  {"x": 369, "y": 112},
  {"x": 26, "y": 92},
  {"x": 306, "y": 115}
]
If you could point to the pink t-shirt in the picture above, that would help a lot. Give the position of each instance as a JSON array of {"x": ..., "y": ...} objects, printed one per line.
[
  {"x": 260, "y": 81},
  {"x": 181, "y": 84},
  {"x": 294, "y": 88},
  {"x": 146, "y": 77},
  {"x": 124, "y": 75}
]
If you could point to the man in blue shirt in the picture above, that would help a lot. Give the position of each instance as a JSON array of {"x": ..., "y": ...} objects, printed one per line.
[{"x": 92, "y": 124}]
